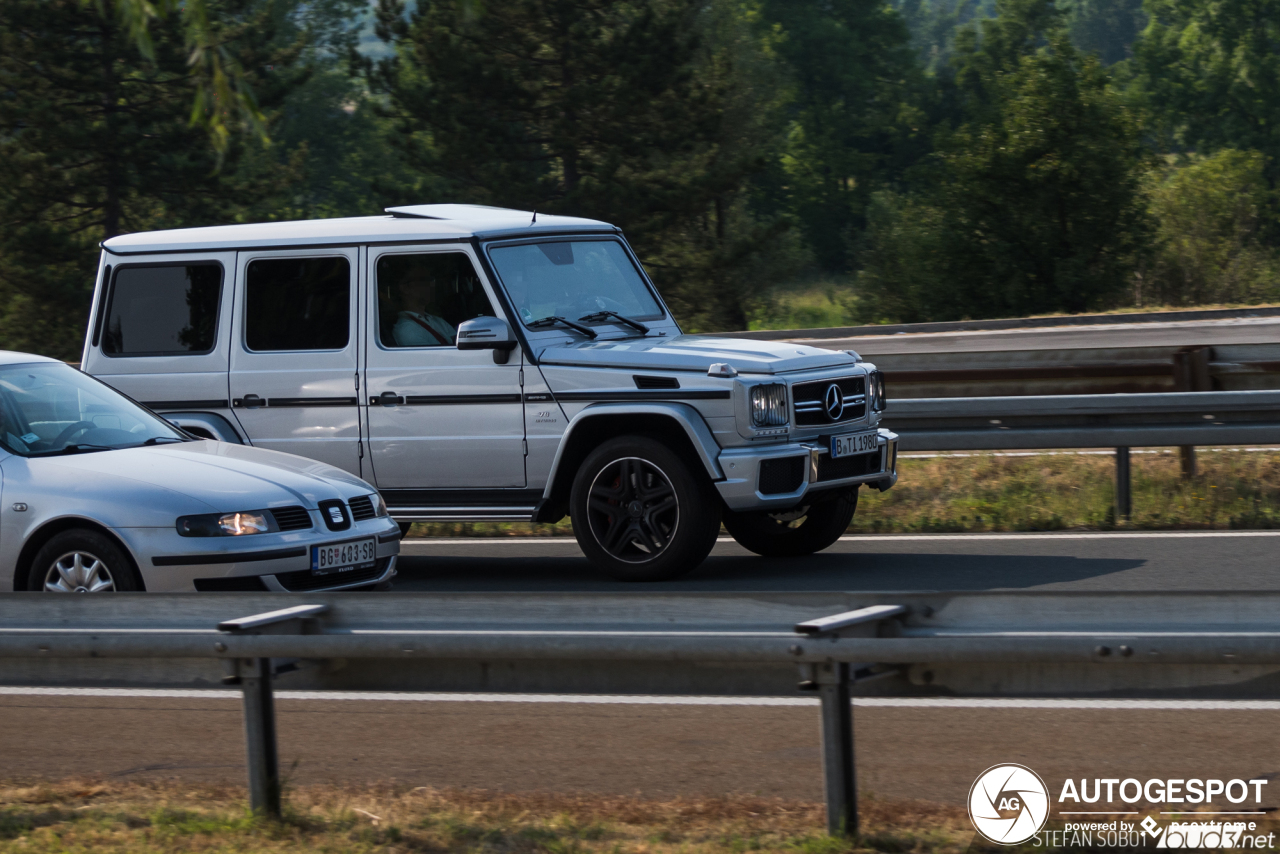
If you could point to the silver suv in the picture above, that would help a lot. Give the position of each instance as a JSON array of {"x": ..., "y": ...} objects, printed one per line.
[{"x": 488, "y": 364}]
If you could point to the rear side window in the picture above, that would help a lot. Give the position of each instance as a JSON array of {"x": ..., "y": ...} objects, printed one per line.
[
  {"x": 297, "y": 304},
  {"x": 169, "y": 310}
]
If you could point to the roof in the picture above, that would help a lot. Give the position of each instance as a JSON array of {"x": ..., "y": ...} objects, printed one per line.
[{"x": 409, "y": 223}]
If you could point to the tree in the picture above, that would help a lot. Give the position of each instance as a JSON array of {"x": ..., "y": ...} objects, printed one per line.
[
  {"x": 1033, "y": 204},
  {"x": 622, "y": 111},
  {"x": 95, "y": 142},
  {"x": 1211, "y": 75}
]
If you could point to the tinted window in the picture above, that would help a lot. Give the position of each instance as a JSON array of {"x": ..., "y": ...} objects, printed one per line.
[
  {"x": 423, "y": 298},
  {"x": 161, "y": 311},
  {"x": 573, "y": 278},
  {"x": 297, "y": 304}
]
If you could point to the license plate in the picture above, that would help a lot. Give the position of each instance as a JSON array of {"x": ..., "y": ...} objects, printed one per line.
[
  {"x": 854, "y": 443},
  {"x": 344, "y": 557}
]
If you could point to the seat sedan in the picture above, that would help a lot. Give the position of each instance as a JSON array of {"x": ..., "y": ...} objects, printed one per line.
[{"x": 100, "y": 494}]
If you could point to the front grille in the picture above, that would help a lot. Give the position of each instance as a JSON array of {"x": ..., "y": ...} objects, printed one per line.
[
  {"x": 293, "y": 518},
  {"x": 784, "y": 475},
  {"x": 811, "y": 401},
  {"x": 361, "y": 508},
  {"x": 303, "y": 581},
  {"x": 235, "y": 584},
  {"x": 852, "y": 466}
]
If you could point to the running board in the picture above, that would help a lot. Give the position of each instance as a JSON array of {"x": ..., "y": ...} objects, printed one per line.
[{"x": 462, "y": 514}]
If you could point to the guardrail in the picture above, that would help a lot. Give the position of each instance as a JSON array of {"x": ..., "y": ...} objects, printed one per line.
[
  {"x": 1120, "y": 421},
  {"x": 895, "y": 644}
]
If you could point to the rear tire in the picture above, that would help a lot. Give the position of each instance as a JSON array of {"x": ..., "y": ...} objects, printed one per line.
[
  {"x": 82, "y": 561},
  {"x": 641, "y": 513},
  {"x": 802, "y": 531}
]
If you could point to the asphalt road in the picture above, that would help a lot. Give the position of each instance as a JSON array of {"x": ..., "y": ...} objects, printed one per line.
[
  {"x": 1102, "y": 561},
  {"x": 655, "y": 751}
]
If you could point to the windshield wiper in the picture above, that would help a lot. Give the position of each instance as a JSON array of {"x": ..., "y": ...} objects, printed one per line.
[
  {"x": 554, "y": 319},
  {"x": 606, "y": 314},
  {"x": 81, "y": 449},
  {"x": 163, "y": 440}
]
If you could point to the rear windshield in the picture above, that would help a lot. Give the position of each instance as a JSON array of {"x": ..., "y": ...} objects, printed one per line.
[
  {"x": 572, "y": 278},
  {"x": 169, "y": 310}
]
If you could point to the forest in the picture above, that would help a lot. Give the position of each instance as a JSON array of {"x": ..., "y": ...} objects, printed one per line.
[{"x": 909, "y": 160}]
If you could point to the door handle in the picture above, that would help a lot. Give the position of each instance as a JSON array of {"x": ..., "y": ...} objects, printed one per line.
[
  {"x": 249, "y": 401},
  {"x": 387, "y": 398}
]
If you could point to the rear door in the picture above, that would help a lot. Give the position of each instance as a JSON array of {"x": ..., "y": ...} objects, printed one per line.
[{"x": 294, "y": 348}]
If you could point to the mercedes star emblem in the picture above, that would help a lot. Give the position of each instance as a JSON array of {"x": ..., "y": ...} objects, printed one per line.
[{"x": 833, "y": 402}]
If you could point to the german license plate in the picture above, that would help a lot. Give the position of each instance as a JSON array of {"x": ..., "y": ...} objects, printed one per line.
[
  {"x": 854, "y": 443},
  {"x": 344, "y": 557}
]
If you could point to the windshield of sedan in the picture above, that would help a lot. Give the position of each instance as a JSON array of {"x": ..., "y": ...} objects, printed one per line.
[
  {"x": 48, "y": 409},
  {"x": 571, "y": 279}
]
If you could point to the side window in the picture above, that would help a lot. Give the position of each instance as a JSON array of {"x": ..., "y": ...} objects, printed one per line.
[
  {"x": 163, "y": 310},
  {"x": 297, "y": 304},
  {"x": 423, "y": 298}
]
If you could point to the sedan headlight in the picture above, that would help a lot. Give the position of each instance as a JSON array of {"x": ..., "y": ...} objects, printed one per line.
[
  {"x": 227, "y": 524},
  {"x": 769, "y": 405},
  {"x": 379, "y": 506}
]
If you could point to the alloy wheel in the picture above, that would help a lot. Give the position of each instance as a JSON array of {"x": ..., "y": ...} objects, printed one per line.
[
  {"x": 632, "y": 509},
  {"x": 79, "y": 572}
]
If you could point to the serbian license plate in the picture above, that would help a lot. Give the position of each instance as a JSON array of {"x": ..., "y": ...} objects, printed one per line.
[
  {"x": 344, "y": 557},
  {"x": 854, "y": 443}
]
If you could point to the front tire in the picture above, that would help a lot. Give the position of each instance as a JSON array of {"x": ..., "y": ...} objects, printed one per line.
[
  {"x": 640, "y": 513},
  {"x": 82, "y": 561},
  {"x": 802, "y": 531}
]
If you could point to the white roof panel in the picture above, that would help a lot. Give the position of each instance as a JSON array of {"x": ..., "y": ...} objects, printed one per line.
[{"x": 413, "y": 222}]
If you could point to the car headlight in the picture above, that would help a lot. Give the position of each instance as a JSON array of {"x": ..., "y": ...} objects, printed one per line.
[
  {"x": 227, "y": 524},
  {"x": 379, "y": 506},
  {"x": 876, "y": 391},
  {"x": 769, "y": 405}
]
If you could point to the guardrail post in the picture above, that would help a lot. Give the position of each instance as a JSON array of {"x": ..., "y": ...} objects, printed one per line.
[
  {"x": 1124, "y": 490},
  {"x": 260, "y": 736},
  {"x": 838, "y": 771},
  {"x": 1191, "y": 373}
]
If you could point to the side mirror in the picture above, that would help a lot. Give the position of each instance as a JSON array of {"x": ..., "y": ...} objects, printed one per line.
[{"x": 487, "y": 333}]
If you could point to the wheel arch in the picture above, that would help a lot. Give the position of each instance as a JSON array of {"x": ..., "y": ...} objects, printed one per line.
[
  {"x": 678, "y": 425},
  {"x": 49, "y": 530}
]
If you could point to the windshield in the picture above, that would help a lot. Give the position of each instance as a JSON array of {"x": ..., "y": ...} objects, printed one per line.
[
  {"x": 573, "y": 278},
  {"x": 48, "y": 408}
]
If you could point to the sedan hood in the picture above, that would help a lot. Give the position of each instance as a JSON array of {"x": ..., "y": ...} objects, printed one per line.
[
  {"x": 694, "y": 353},
  {"x": 224, "y": 477}
]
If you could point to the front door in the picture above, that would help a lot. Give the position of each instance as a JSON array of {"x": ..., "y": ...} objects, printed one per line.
[
  {"x": 294, "y": 353},
  {"x": 440, "y": 418}
]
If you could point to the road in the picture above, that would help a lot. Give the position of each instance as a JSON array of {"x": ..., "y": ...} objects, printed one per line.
[
  {"x": 663, "y": 750},
  {"x": 1086, "y": 561}
]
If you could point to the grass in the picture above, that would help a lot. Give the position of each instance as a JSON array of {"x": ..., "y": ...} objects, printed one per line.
[
  {"x": 164, "y": 817},
  {"x": 1233, "y": 490}
]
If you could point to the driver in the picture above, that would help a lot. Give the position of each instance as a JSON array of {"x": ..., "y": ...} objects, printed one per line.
[{"x": 420, "y": 328}]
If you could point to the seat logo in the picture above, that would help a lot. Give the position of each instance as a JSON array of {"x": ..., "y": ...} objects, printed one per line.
[
  {"x": 1008, "y": 804},
  {"x": 335, "y": 513},
  {"x": 833, "y": 402}
]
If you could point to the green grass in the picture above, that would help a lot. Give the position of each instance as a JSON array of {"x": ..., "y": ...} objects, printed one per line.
[
  {"x": 1233, "y": 490},
  {"x": 812, "y": 306}
]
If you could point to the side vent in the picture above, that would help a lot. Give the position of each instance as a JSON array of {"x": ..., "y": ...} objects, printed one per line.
[{"x": 656, "y": 382}]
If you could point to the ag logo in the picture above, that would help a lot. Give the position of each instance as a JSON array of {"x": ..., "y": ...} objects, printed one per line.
[{"x": 1008, "y": 804}]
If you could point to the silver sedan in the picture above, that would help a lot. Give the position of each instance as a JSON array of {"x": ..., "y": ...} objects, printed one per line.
[{"x": 100, "y": 494}]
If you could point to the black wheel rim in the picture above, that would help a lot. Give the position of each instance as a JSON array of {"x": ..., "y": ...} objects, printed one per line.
[{"x": 632, "y": 510}]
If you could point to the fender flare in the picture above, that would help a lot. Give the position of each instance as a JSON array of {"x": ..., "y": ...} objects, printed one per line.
[
  {"x": 695, "y": 427},
  {"x": 217, "y": 425}
]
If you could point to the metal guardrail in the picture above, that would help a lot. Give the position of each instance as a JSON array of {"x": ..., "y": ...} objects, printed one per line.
[{"x": 896, "y": 644}]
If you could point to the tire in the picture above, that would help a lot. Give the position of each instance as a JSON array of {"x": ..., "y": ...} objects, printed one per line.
[
  {"x": 790, "y": 535},
  {"x": 641, "y": 513},
  {"x": 404, "y": 528},
  {"x": 82, "y": 561}
]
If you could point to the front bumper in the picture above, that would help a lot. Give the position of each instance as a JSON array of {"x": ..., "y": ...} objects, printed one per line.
[
  {"x": 742, "y": 487},
  {"x": 279, "y": 562}
]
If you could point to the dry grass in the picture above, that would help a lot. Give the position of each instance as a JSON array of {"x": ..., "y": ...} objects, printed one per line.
[
  {"x": 1233, "y": 490},
  {"x": 158, "y": 818}
]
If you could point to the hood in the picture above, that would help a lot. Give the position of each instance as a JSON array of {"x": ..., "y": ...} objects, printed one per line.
[
  {"x": 224, "y": 477},
  {"x": 694, "y": 353}
]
